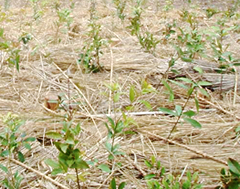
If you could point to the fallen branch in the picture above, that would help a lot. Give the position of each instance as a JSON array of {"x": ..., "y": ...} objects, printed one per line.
[
  {"x": 39, "y": 173},
  {"x": 204, "y": 155}
]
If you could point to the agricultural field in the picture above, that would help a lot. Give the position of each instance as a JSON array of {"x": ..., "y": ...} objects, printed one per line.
[{"x": 119, "y": 94}]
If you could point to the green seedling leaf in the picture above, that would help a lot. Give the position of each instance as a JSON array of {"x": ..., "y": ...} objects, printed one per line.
[
  {"x": 132, "y": 94},
  {"x": 146, "y": 103},
  {"x": 64, "y": 147},
  {"x": 148, "y": 164},
  {"x": 186, "y": 184},
  {"x": 116, "y": 97},
  {"x": 193, "y": 122},
  {"x": 179, "y": 84},
  {"x": 21, "y": 157},
  {"x": 80, "y": 164},
  {"x": 122, "y": 185},
  {"x": 171, "y": 94},
  {"x": 178, "y": 110},
  {"x": 57, "y": 171},
  {"x": 30, "y": 139},
  {"x": 186, "y": 59},
  {"x": 196, "y": 104},
  {"x": 204, "y": 92},
  {"x": 189, "y": 113},
  {"x": 149, "y": 176},
  {"x": 234, "y": 166},
  {"x": 54, "y": 135},
  {"x": 167, "y": 111},
  {"x": 237, "y": 129},
  {"x": 104, "y": 168},
  {"x": 113, "y": 184},
  {"x": 204, "y": 83},
  {"x": 53, "y": 164},
  {"x": 3, "y": 168},
  {"x": 198, "y": 69},
  {"x": 186, "y": 80},
  {"x": 27, "y": 145}
]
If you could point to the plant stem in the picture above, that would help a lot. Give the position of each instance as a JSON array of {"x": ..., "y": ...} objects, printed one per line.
[
  {"x": 78, "y": 182},
  {"x": 175, "y": 125}
]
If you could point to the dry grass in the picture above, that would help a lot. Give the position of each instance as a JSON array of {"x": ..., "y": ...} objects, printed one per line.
[{"x": 43, "y": 73}]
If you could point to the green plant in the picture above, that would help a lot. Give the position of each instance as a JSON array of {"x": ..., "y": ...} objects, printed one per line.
[
  {"x": 120, "y": 5},
  {"x": 113, "y": 184},
  {"x": 230, "y": 178},
  {"x": 12, "y": 142},
  {"x": 115, "y": 128},
  {"x": 90, "y": 55},
  {"x": 179, "y": 111},
  {"x": 37, "y": 13},
  {"x": 69, "y": 157},
  {"x": 11, "y": 48},
  {"x": 146, "y": 39},
  {"x": 159, "y": 179}
]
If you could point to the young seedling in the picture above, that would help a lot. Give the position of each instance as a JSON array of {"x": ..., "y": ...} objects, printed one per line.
[
  {"x": 91, "y": 52},
  {"x": 12, "y": 141},
  {"x": 179, "y": 110}
]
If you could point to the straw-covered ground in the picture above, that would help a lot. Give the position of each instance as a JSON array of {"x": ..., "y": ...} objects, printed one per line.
[{"x": 48, "y": 67}]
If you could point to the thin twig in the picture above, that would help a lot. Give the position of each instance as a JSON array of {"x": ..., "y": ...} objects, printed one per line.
[
  {"x": 186, "y": 147},
  {"x": 39, "y": 173}
]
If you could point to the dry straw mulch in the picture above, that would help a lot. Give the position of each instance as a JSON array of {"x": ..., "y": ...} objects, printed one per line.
[{"x": 43, "y": 73}]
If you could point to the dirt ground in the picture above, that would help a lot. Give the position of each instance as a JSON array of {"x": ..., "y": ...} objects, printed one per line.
[{"x": 48, "y": 66}]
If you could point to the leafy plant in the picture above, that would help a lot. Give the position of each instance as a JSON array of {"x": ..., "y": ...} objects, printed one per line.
[
  {"x": 113, "y": 184},
  {"x": 146, "y": 39},
  {"x": 120, "y": 5},
  {"x": 90, "y": 55},
  {"x": 179, "y": 110},
  {"x": 159, "y": 179},
  {"x": 230, "y": 178},
  {"x": 70, "y": 157},
  {"x": 11, "y": 49},
  {"x": 115, "y": 128},
  {"x": 12, "y": 141}
]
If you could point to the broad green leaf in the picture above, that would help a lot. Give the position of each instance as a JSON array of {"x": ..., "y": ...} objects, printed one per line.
[
  {"x": 113, "y": 184},
  {"x": 30, "y": 139},
  {"x": 149, "y": 176},
  {"x": 204, "y": 92},
  {"x": 179, "y": 84},
  {"x": 196, "y": 104},
  {"x": 27, "y": 145},
  {"x": 132, "y": 94},
  {"x": 167, "y": 111},
  {"x": 189, "y": 113},
  {"x": 53, "y": 164},
  {"x": 54, "y": 135},
  {"x": 178, "y": 110},
  {"x": 64, "y": 147},
  {"x": 234, "y": 166},
  {"x": 148, "y": 164},
  {"x": 122, "y": 185},
  {"x": 186, "y": 59},
  {"x": 5, "y": 169},
  {"x": 146, "y": 103},
  {"x": 104, "y": 168},
  {"x": 198, "y": 69},
  {"x": 21, "y": 157},
  {"x": 237, "y": 129},
  {"x": 186, "y": 185},
  {"x": 186, "y": 80},
  {"x": 80, "y": 164},
  {"x": 171, "y": 94},
  {"x": 57, "y": 171},
  {"x": 204, "y": 83},
  {"x": 116, "y": 97},
  {"x": 193, "y": 122}
]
